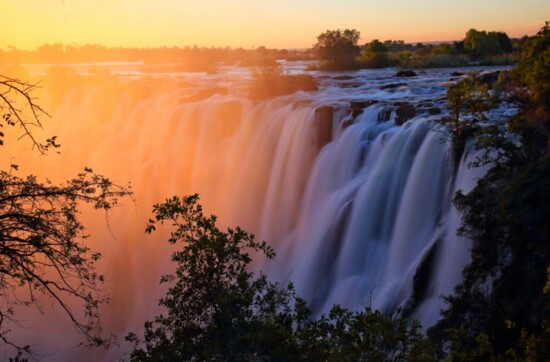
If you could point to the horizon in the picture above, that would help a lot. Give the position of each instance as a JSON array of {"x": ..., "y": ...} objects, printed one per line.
[{"x": 238, "y": 24}]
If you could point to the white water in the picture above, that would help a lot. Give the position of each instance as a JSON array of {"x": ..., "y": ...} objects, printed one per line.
[{"x": 351, "y": 221}]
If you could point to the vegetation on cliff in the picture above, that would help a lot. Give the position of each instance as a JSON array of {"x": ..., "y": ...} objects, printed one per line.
[{"x": 500, "y": 310}]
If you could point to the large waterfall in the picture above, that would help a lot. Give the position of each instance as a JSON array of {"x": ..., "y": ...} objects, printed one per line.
[{"x": 354, "y": 205}]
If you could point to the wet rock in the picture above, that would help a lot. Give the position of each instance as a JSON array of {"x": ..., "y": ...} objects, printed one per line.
[
  {"x": 456, "y": 74},
  {"x": 342, "y": 77},
  {"x": 358, "y": 106},
  {"x": 323, "y": 125},
  {"x": 385, "y": 114},
  {"x": 406, "y": 73},
  {"x": 345, "y": 124},
  {"x": 488, "y": 78},
  {"x": 362, "y": 104},
  {"x": 434, "y": 110},
  {"x": 404, "y": 112},
  {"x": 350, "y": 85},
  {"x": 392, "y": 86}
]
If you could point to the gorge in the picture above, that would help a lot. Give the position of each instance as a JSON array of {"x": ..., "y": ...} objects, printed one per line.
[{"x": 354, "y": 196}]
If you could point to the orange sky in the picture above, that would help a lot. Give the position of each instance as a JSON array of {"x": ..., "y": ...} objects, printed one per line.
[{"x": 27, "y": 24}]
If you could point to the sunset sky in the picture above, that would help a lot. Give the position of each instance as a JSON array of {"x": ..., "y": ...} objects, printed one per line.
[{"x": 27, "y": 24}]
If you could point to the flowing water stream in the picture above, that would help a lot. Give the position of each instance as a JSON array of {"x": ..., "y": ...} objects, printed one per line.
[{"x": 354, "y": 204}]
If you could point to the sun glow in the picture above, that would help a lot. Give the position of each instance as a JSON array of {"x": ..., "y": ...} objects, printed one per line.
[{"x": 240, "y": 23}]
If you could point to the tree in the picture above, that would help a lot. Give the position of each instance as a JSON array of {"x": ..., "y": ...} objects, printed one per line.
[
  {"x": 218, "y": 310},
  {"x": 374, "y": 55},
  {"x": 42, "y": 248},
  {"x": 338, "y": 48},
  {"x": 376, "y": 46},
  {"x": 18, "y": 109},
  {"x": 499, "y": 309},
  {"x": 467, "y": 97},
  {"x": 480, "y": 44},
  {"x": 271, "y": 81}
]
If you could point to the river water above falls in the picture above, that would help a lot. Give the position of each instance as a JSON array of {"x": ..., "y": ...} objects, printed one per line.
[{"x": 350, "y": 184}]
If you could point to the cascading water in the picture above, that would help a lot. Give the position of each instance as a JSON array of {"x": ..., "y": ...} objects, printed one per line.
[{"x": 352, "y": 220}]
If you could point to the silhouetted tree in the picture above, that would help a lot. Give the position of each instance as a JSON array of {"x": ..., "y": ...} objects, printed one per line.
[
  {"x": 217, "y": 310},
  {"x": 42, "y": 248},
  {"x": 338, "y": 48}
]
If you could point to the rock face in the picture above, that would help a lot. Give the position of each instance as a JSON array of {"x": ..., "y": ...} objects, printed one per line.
[
  {"x": 385, "y": 114},
  {"x": 358, "y": 106},
  {"x": 404, "y": 112},
  {"x": 406, "y": 73},
  {"x": 323, "y": 125},
  {"x": 362, "y": 104}
]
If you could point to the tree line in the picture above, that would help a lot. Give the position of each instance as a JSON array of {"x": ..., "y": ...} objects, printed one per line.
[
  {"x": 339, "y": 50},
  {"x": 335, "y": 49}
]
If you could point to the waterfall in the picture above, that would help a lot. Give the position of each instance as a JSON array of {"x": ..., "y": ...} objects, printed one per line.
[{"x": 352, "y": 220}]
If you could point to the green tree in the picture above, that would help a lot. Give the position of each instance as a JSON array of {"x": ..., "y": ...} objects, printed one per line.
[
  {"x": 271, "y": 81},
  {"x": 499, "y": 308},
  {"x": 374, "y": 55},
  {"x": 218, "y": 310},
  {"x": 376, "y": 46},
  {"x": 467, "y": 98},
  {"x": 43, "y": 254},
  {"x": 482, "y": 44},
  {"x": 338, "y": 48}
]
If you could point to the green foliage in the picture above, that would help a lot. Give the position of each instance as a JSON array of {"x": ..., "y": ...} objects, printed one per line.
[
  {"x": 376, "y": 46},
  {"x": 218, "y": 310},
  {"x": 468, "y": 100},
  {"x": 375, "y": 55},
  {"x": 338, "y": 49},
  {"x": 481, "y": 44},
  {"x": 499, "y": 311},
  {"x": 271, "y": 81},
  {"x": 534, "y": 66},
  {"x": 363, "y": 336}
]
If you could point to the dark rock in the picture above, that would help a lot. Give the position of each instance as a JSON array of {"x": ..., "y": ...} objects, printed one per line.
[
  {"x": 346, "y": 123},
  {"x": 403, "y": 113},
  {"x": 392, "y": 86},
  {"x": 350, "y": 85},
  {"x": 456, "y": 74},
  {"x": 323, "y": 125},
  {"x": 342, "y": 77},
  {"x": 362, "y": 104},
  {"x": 423, "y": 274},
  {"x": 434, "y": 110},
  {"x": 406, "y": 73},
  {"x": 385, "y": 114},
  {"x": 358, "y": 106},
  {"x": 488, "y": 78}
]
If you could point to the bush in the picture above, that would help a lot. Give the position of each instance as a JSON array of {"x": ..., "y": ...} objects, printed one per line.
[{"x": 271, "y": 81}]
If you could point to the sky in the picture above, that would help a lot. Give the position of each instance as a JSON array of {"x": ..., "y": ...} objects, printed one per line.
[{"x": 27, "y": 24}]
